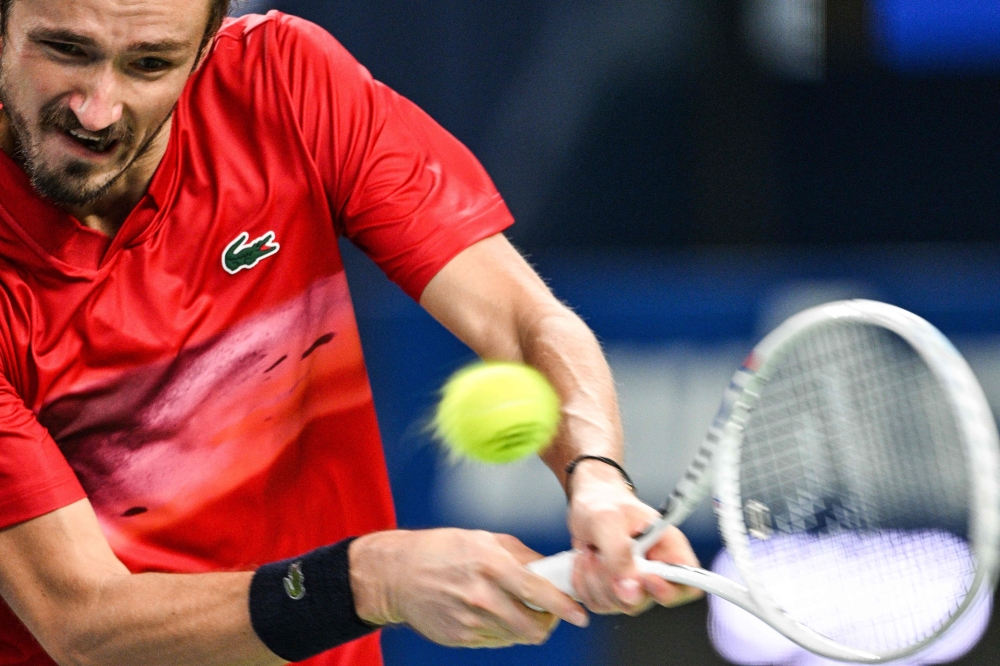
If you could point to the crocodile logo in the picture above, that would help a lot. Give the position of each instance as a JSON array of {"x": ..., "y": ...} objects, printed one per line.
[
  {"x": 244, "y": 253},
  {"x": 295, "y": 581}
]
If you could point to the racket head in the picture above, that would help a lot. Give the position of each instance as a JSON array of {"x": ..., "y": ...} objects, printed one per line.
[{"x": 857, "y": 478}]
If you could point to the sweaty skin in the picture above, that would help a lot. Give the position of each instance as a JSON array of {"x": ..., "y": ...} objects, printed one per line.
[{"x": 88, "y": 87}]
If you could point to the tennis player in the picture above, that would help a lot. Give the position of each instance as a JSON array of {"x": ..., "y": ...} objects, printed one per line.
[{"x": 190, "y": 468}]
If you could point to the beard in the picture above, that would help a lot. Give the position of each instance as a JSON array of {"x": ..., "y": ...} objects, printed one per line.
[{"x": 73, "y": 182}]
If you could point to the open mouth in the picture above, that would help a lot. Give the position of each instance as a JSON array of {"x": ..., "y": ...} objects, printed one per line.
[{"x": 93, "y": 144}]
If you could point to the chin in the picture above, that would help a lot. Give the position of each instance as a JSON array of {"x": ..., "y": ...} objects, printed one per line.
[
  {"x": 75, "y": 182},
  {"x": 64, "y": 189}
]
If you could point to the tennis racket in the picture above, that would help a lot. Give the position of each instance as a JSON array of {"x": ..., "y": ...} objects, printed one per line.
[{"x": 855, "y": 471}]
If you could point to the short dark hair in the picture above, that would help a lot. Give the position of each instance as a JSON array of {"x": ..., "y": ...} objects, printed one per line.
[{"x": 218, "y": 11}]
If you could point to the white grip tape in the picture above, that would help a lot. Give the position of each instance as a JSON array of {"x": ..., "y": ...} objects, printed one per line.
[{"x": 558, "y": 570}]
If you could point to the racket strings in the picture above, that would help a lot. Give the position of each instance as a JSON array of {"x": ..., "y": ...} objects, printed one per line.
[{"x": 855, "y": 489}]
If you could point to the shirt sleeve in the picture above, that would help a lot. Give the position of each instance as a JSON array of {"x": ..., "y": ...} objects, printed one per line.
[
  {"x": 35, "y": 478},
  {"x": 403, "y": 189}
]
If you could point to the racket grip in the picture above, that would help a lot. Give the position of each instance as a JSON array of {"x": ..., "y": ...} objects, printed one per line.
[{"x": 558, "y": 570}]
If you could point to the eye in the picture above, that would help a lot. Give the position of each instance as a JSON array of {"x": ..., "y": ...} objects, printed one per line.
[
  {"x": 150, "y": 64},
  {"x": 65, "y": 48}
]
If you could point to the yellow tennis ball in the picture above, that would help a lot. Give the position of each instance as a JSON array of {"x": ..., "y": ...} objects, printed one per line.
[{"x": 497, "y": 412}]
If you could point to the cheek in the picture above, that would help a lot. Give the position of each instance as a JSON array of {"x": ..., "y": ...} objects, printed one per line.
[
  {"x": 29, "y": 85},
  {"x": 149, "y": 103}
]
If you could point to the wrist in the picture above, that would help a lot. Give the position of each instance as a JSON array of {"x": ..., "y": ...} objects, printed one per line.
[
  {"x": 373, "y": 561},
  {"x": 304, "y": 606},
  {"x": 585, "y": 472}
]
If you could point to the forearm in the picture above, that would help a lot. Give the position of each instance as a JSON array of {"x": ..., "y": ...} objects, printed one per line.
[
  {"x": 493, "y": 301},
  {"x": 153, "y": 619},
  {"x": 59, "y": 575},
  {"x": 567, "y": 352}
]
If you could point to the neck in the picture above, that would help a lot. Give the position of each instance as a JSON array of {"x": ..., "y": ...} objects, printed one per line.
[{"x": 108, "y": 213}]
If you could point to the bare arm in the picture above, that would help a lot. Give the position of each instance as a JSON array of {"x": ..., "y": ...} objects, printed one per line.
[
  {"x": 457, "y": 587},
  {"x": 492, "y": 300},
  {"x": 60, "y": 577}
]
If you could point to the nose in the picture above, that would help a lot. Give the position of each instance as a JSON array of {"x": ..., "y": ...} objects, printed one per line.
[{"x": 97, "y": 106}]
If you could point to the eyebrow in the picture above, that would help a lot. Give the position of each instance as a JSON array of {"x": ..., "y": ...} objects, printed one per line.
[{"x": 163, "y": 46}]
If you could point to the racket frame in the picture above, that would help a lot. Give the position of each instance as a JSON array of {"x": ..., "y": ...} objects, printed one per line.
[
  {"x": 716, "y": 467},
  {"x": 973, "y": 418}
]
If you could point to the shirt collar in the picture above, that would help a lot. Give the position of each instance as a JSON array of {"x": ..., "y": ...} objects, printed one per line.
[{"x": 64, "y": 238}]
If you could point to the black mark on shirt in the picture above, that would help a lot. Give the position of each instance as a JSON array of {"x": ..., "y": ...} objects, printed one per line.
[
  {"x": 324, "y": 340},
  {"x": 276, "y": 364}
]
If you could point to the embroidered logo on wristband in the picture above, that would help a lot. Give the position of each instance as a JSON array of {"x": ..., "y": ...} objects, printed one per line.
[
  {"x": 295, "y": 625},
  {"x": 295, "y": 581}
]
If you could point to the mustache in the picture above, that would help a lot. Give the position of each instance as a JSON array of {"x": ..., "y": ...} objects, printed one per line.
[{"x": 58, "y": 116}]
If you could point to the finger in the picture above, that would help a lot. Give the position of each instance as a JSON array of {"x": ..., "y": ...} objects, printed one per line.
[
  {"x": 515, "y": 547},
  {"x": 491, "y": 633},
  {"x": 593, "y": 588},
  {"x": 514, "y": 619},
  {"x": 611, "y": 591},
  {"x": 669, "y": 594},
  {"x": 611, "y": 538},
  {"x": 487, "y": 638},
  {"x": 673, "y": 548},
  {"x": 471, "y": 627},
  {"x": 613, "y": 542},
  {"x": 540, "y": 593}
]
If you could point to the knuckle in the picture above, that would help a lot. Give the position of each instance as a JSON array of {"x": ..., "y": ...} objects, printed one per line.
[
  {"x": 506, "y": 540},
  {"x": 476, "y": 599},
  {"x": 482, "y": 536},
  {"x": 474, "y": 624},
  {"x": 494, "y": 570},
  {"x": 467, "y": 628}
]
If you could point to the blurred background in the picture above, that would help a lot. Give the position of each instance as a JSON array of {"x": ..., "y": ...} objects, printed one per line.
[{"x": 686, "y": 174}]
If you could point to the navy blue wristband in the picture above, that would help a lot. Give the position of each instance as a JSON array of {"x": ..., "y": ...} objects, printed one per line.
[{"x": 304, "y": 606}]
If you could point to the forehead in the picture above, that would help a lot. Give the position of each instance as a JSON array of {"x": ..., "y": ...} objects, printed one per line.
[{"x": 115, "y": 22}]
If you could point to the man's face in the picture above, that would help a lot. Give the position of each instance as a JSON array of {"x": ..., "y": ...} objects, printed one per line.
[{"x": 87, "y": 84}]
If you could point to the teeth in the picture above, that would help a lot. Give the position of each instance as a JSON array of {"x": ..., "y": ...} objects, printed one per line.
[{"x": 93, "y": 142}]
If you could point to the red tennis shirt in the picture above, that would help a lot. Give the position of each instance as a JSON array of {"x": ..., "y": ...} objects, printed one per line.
[{"x": 199, "y": 376}]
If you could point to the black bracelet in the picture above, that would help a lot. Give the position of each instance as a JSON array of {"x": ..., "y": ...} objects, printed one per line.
[
  {"x": 304, "y": 606},
  {"x": 607, "y": 461}
]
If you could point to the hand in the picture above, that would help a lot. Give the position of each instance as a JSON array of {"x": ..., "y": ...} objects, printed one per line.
[
  {"x": 604, "y": 515},
  {"x": 456, "y": 587}
]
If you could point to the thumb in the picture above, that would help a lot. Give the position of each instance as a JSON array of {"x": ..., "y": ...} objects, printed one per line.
[{"x": 515, "y": 547}]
